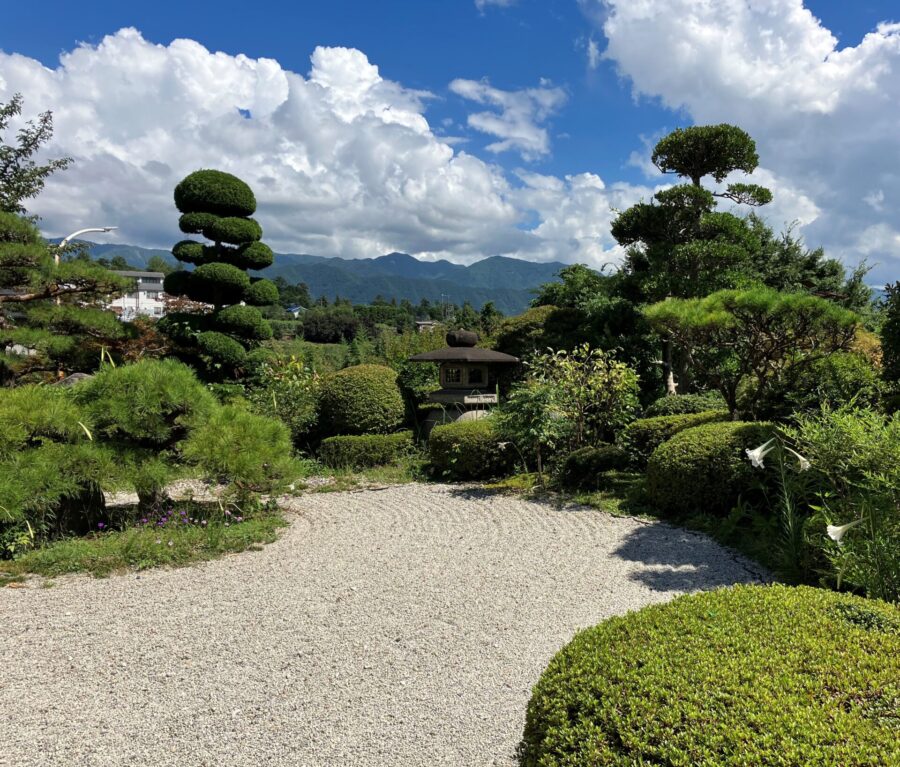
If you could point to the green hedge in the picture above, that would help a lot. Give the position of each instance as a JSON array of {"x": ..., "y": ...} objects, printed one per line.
[
  {"x": 641, "y": 437},
  {"x": 705, "y": 468},
  {"x": 244, "y": 322},
  {"x": 221, "y": 349},
  {"x": 363, "y": 399},
  {"x": 261, "y": 293},
  {"x": 685, "y": 404},
  {"x": 750, "y": 675},
  {"x": 218, "y": 284},
  {"x": 232, "y": 230},
  {"x": 214, "y": 191},
  {"x": 469, "y": 450},
  {"x": 364, "y": 450},
  {"x": 584, "y": 468}
]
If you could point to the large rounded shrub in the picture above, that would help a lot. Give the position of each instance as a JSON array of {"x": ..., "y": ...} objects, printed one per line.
[
  {"x": 243, "y": 321},
  {"x": 469, "y": 450},
  {"x": 218, "y": 284},
  {"x": 705, "y": 468},
  {"x": 641, "y": 437},
  {"x": 363, "y": 399},
  {"x": 216, "y": 192},
  {"x": 751, "y": 675},
  {"x": 261, "y": 293}
]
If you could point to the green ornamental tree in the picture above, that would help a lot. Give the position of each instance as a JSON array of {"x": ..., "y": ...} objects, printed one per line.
[
  {"x": 219, "y": 206},
  {"x": 753, "y": 337},
  {"x": 890, "y": 334}
]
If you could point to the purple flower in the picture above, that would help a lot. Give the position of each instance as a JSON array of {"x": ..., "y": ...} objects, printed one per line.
[{"x": 100, "y": 525}]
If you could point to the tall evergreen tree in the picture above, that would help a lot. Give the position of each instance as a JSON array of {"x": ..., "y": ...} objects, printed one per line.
[{"x": 219, "y": 334}]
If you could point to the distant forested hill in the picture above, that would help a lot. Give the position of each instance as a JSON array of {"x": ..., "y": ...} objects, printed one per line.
[{"x": 507, "y": 282}]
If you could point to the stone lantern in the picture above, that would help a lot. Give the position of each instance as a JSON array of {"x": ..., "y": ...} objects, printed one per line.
[{"x": 468, "y": 378}]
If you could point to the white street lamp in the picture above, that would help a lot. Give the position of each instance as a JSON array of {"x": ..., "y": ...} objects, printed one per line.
[{"x": 65, "y": 240}]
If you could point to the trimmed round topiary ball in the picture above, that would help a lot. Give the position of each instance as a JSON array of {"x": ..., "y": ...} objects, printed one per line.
[
  {"x": 232, "y": 230},
  {"x": 255, "y": 255},
  {"x": 218, "y": 284},
  {"x": 363, "y": 399},
  {"x": 705, "y": 468},
  {"x": 243, "y": 321},
  {"x": 190, "y": 252},
  {"x": 177, "y": 283},
  {"x": 261, "y": 293},
  {"x": 214, "y": 191},
  {"x": 750, "y": 675},
  {"x": 222, "y": 349}
]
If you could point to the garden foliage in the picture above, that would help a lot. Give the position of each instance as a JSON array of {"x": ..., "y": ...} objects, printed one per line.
[
  {"x": 365, "y": 450},
  {"x": 363, "y": 399},
  {"x": 584, "y": 469},
  {"x": 739, "y": 676},
  {"x": 641, "y": 437},
  {"x": 469, "y": 450}
]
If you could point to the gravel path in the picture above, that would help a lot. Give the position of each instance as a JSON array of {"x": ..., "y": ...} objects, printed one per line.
[{"x": 386, "y": 628}]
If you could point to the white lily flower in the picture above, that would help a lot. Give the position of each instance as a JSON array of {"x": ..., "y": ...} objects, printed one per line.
[
  {"x": 756, "y": 456},
  {"x": 836, "y": 532},
  {"x": 805, "y": 465}
]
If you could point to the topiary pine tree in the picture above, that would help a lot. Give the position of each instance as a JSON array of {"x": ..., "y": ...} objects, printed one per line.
[{"x": 218, "y": 206}]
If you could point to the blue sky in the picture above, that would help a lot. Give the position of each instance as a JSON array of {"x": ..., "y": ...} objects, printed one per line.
[{"x": 599, "y": 122}]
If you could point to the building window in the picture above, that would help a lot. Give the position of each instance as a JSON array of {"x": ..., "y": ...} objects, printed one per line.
[
  {"x": 476, "y": 376},
  {"x": 452, "y": 375}
]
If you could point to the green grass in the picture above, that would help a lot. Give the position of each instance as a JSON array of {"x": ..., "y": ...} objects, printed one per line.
[
  {"x": 140, "y": 548},
  {"x": 400, "y": 472}
]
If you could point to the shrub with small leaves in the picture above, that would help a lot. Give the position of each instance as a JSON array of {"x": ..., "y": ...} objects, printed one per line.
[
  {"x": 363, "y": 399},
  {"x": 750, "y": 675},
  {"x": 641, "y": 437},
  {"x": 365, "y": 450},
  {"x": 705, "y": 468},
  {"x": 686, "y": 404},
  {"x": 584, "y": 468},
  {"x": 469, "y": 450}
]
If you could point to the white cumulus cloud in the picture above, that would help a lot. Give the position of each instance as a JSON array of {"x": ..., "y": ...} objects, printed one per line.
[
  {"x": 343, "y": 161},
  {"x": 519, "y": 122},
  {"x": 825, "y": 117}
]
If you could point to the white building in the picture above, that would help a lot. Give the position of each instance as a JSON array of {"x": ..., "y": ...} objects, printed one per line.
[{"x": 146, "y": 299}]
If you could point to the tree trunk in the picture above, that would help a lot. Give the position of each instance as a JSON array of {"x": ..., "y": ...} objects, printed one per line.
[{"x": 668, "y": 372}]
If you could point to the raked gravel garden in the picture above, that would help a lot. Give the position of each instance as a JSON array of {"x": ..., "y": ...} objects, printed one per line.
[{"x": 398, "y": 626}]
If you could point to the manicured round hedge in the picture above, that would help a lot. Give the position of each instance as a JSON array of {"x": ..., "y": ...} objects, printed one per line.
[
  {"x": 218, "y": 284},
  {"x": 750, "y": 675},
  {"x": 190, "y": 252},
  {"x": 177, "y": 283},
  {"x": 232, "y": 230},
  {"x": 261, "y": 293},
  {"x": 641, "y": 437},
  {"x": 194, "y": 223},
  {"x": 469, "y": 450},
  {"x": 583, "y": 469},
  {"x": 214, "y": 191},
  {"x": 243, "y": 321},
  {"x": 705, "y": 468},
  {"x": 222, "y": 349},
  {"x": 685, "y": 404},
  {"x": 255, "y": 255},
  {"x": 363, "y": 399},
  {"x": 364, "y": 450}
]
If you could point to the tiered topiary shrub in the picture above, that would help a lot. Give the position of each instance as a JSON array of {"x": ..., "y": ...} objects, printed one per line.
[
  {"x": 584, "y": 469},
  {"x": 363, "y": 399},
  {"x": 750, "y": 675},
  {"x": 641, "y": 437},
  {"x": 469, "y": 450},
  {"x": 365, "y": 450},
  {"x": 218, "y": 206},
  {"x": 705, "y": 468}
]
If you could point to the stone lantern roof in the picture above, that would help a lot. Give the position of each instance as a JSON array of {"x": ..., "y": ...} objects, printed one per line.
[{"x": 461, "y": 348}]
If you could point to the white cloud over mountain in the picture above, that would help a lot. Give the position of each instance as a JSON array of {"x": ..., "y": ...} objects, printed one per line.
[
  {"x": 826, "y": 118},
  {"x": 519, "y": 122},
  {"x": 343, "y": 161}
]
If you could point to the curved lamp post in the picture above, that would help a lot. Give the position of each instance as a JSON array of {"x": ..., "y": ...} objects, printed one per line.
[{"x": 66, "y": 239}]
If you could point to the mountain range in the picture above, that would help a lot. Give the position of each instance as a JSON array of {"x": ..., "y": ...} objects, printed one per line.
[{"x": 508, "y": 282}]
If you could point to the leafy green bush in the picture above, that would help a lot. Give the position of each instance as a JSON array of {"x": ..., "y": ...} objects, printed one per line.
[
  {"x": 288, "y": 389},
  {"x": 584, "y": 468},
  {"x": 686, "y": 404},
  {"x": 221, "y": 350},
  {"x": 705, "y": 468},
  {"x": 469, "y": 450},
  {"x": 261, "y": 293},
  {"x": 33, "y": 415},
  {"x": 363, "y": 399},
  {"x": 641, "y": 437},
  {"x": 255, "y": 255},
  {"x": 244, "y": 322},
  {"x": 364, "y": 450},
  {"x": 232, "y": 229},
  {"x": 750, "y": 675},
  {"x": 852, "y": 492},
  {"x": 218, "y": 283},
  {"x": 832, "y": 381}
]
